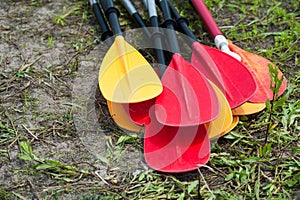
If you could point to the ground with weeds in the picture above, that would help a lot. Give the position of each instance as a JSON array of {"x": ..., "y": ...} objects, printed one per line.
[{"x": 57, "y": 140}]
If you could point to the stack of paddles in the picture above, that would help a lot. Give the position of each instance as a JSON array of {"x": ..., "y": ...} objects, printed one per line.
[{"x": 186, "y": 104}]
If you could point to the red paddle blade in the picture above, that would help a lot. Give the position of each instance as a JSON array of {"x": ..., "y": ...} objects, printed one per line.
[
  {"x": 175, "y": 149},
  {"x": 187, "y": 98},
  {"x": 259, "y": 67},
  {"x": 230, "y": 75},
  {"x": 139, "y": 112}
]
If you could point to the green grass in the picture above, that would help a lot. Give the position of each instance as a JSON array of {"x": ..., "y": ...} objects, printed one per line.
[{"x": 259, "y": 159}]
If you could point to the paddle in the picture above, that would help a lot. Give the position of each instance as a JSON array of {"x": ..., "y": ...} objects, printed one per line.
[
  {"x": 224, "y": 121},
  {"x": 125, "y": 76},
  {"x": 169, "y": 148},
  {"x": 139, "y": 111},
  {"x": 175, "y": 149},
  {"x": 188, "y": 98},
  {"x": 116, "y": 110},
  {"x": 155, "y": 34},
  {"x": 257, "y": 65},
  {"x": 231, "y": 76},
  {"x": 244, "y": 109}
]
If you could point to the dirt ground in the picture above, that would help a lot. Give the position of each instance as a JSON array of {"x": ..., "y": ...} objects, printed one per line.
[
  {"x": 49, "y": 58},
  {"x": 48, "y": 79}
]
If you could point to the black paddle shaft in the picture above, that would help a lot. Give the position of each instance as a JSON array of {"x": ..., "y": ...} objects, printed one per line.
[
  {"x": 170, "y": 24},
  {"x": 157, "y": 37},
  {"x": 182, "y": 22},
  {"x": 112, "y": 14},
  {"x": 106, "y": 32},
  {"x": 134, "y": 13}
]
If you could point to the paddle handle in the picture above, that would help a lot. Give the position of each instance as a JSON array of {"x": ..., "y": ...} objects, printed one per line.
[
  {"x": 112, "y": 14},
  {"x": 183, "y": 23},
  {"x": 134, "y": 13},
  {"x": 170, "y": 24},
  {"x": 106, "y": 32}
]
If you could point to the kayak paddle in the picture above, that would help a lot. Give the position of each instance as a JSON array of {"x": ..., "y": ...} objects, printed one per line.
[
  {"x": 231, "y": 76},
  {"x": 139, "y": 111},
  {"x": 188, "y": 98},
  {"x": 116, "y": 110},
  {"x": 246, "y": 108},
  {"x": 125, "y": 76},
  {"x": 175, "y": 149},
  {"x": 257, "y": 65},
  {"x": 154, "y": 35},
  {"x": 168, "y": 148}
]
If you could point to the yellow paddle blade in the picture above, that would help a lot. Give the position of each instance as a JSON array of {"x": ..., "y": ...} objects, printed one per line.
[
  {"x": 248, "y": 108},
  {"x": 224, "y": 120},
  {"x": 121, "y": 118},
  {"x": 125, "y": 76},
  {"x": 233, "y": 124}
]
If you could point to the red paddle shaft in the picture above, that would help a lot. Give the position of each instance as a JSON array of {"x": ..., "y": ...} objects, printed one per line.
[
  {"x": 207, "y": 18},
  {"x": 211, "y": 25}
]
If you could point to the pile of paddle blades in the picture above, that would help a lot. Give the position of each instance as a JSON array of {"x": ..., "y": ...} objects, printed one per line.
[{"x": 180, "y": 106}]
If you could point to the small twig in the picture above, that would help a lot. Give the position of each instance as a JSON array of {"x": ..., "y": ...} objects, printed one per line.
[
  {"x": 291, "y": 46},
  {"x": 67, "y": 186},
  {"x": 206, "y": 184},
  {"x": 5, "y": 98},
  {"x": 35, "y": 137},
  {"x": 100, "y": 177}
]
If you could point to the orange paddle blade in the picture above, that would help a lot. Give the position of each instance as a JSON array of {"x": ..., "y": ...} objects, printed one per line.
[
  {"x": 224, "y": 120},
  {"x": 121, "y": 118},
  {"x": 248, "y": 108},
  {"x": 259, "y": 67},
  {"x": 235, "y": 121}
]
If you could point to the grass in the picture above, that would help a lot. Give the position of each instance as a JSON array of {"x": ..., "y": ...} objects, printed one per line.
[{"x": 259, "y": 159}]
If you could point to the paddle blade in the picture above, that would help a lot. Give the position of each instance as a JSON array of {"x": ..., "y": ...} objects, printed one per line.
[
  {"x": 224, "y": 120},
  {"x": 139, "y": 112},
  {"x": 187, "y": 98},
  {"x": 175, "y": 149},
  {"x": 259, "y": 67},
  {"x": 230, "y": 75},
  {"x": 234, "y": 123},
  {"x": 248, "y": 108},
  {"x": 120, "y": 117},
  {"x": 125, "y": 76}
]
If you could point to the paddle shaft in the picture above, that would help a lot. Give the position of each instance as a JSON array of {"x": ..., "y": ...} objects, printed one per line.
[
  {"x": 183, "y": 24},
  {"x": 106, "y": 32},
  {"x": 207, "y": 18},
  {"x": 112, "y": 14},
  {"x": 155, "y": 35},
  {"x": 170, "y": 24},
  {"x": 134, "y": 13}
]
